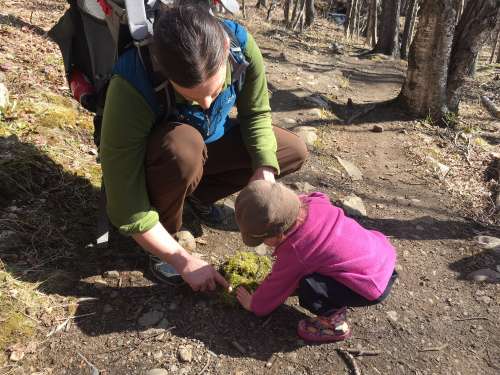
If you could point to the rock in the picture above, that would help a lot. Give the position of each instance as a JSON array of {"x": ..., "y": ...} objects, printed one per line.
[
  {"x": 150, "y": 318},
  {"x": 107, "y": 309},
  {"x": 318, "y": 100},
  {"x": 289, "y": 121},
  {"x": 484, "y": 299},
  {"x": 186, "y": 240},
  {"x": 354, "y": 206},
  {"x": 392, "y": 315},
  {"x": 172, "y": 306},
  {"x": 111, "y": 275},
  {"x": 484, "y": 274},
  {"x": 307, "y": 134},
  {"x": 185, "y": 354},
  {"x": 4, "y": 97},
  {"x": 158, "y": 371},
  {"x": 173, "y": 369},
  {"x": 377, "y": 129},
  {"x": 337, "y": 48},
  {"x": 303, "y": 187},
  {"x": 439, "y": 168},
  {"x": 157, "y": 355},
  {"x": 488, "y": 242},
  {"x": 353, "y": 171},
  {"x": 316, "y": 112},
  {"x": 261, "y": 250}
]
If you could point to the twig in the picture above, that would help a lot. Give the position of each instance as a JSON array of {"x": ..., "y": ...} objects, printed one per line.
[
  {"x": 360, "y": 352},
  {"x": 472, "y": 318},
  {"x": 350, "y": 361},
  {"x": 79, "y": 316},
  {"x": 267, "y": 321},
  {"x": 434, "y": 348},
  {"x": 360, "y": 113},
  {"x": 206, "y": 365},
  {"x": 95, "y": 370},
  {"x": 238, "y": 346}
]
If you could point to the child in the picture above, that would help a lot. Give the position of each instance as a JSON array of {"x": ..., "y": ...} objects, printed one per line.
[{"x": 328, "y": 259}]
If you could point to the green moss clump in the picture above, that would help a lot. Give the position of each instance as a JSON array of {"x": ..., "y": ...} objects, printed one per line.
[{"x": 247, "y": 269}]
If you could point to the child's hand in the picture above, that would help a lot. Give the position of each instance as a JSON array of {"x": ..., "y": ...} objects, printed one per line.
[{"x": 244, "y": 297}]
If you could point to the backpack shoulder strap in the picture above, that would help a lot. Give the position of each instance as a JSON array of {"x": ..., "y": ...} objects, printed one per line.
[{"x": 238, "y": 36}]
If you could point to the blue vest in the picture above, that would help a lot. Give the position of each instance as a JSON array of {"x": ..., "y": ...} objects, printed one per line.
[{"x": 212, "y": 123}]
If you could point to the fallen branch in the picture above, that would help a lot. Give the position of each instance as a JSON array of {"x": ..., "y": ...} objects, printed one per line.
[
  {"x": 361, "y": 352},
  {"x": 490, "y": 106},
  {"x": 351, "y": 361},
  {"x": 362, "y": 112},
  {"x": 238, "y": 346},
  {"x": 472, "y": 318},
  {"x": 95, "y": 370},
  {"x": 434, "y": 348},
  {"x": 202, "y": 371}
]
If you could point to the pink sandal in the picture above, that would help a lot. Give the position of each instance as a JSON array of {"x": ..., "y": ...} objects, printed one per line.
[{"x": 325, "y": 328}]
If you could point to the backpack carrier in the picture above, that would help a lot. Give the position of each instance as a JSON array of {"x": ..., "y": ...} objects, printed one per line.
[{"x": 92, "y": 34}]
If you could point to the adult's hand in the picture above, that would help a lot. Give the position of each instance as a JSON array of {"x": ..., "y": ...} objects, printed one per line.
[
  {"x": 201, "y": 276},
  {"x": 263, "y": 173}
]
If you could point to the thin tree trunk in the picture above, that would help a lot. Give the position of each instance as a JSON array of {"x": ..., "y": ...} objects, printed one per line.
[
  {"x": 498, "y": 54},
  {"x": 352, "y": 19},
  {"x": 411, "y": 16},
  {"x": 371, "y": 33},
  {"x": 243, "y": 9},
  {"x": 261, "y": 2},
  {"x": 300, "y": 15},
  {"x": 478, "y": 19},
  {"x": 310, "y": 13},
  {"x": 496, "y": 41},
  {"x": 424, "y": 89},
  {"x": 460, "y": 9},
  {"x": 388, "y": 41},
  {"x": 294, "y": 13},
  {"x": 286, "y": 12}
]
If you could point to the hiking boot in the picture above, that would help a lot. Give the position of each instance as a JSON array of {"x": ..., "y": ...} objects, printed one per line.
[
  {"x": 210, "y": 214},
  {"x": 164, "y": 272},
  {"x": 325, "y": 328}
]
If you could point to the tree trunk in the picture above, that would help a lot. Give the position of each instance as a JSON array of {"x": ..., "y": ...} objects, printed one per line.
[
  {"x": 460, "y": 4},
  {"x": 478, "y": 19},
  {"x": 371, "y": 27},
  {"x": 498, "y": 54},
  {"x": 496, "y": 40},
  {"x": 424, "y": 89},
  {"x": 411, "y": 16},
  {"x": 286, "y": 12},
  {"x": 352, "y": 18},
  {"x": 261, "y": 2},
  {"x": 388, "y": 41},
  {"x": 243, "y": 9},
  {"x": 310, "y": 13}
]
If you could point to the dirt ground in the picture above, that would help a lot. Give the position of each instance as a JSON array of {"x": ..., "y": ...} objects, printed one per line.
[{"x": 68, "y": 308}]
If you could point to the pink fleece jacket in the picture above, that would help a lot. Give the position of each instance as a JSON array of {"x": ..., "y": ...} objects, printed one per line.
[{"x": 333, "y": 245}]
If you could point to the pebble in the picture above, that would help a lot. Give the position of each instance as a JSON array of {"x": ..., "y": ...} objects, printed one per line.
[
  {"x": 150, "y": 318},
  {"x": 157, "y": 355},
  {"x": 185, "y": 354},
  {"x": 303, "y": 187},
  {"x": 158, "y": 371},
  {"x": 377, "y": 129},
  {"x": 173, "y": 368},
  {"x": 307, "y": 134},
  {"x": 484, "y": 299},
  {"x": 353, "y": 171},
  {"x": 290, "y": 121},
  {"x": 316, "y": 112},
  {"x": 392, "y": 315}
]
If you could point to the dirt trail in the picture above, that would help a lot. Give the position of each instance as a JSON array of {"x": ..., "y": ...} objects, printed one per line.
[{"x": 435, "y": 322}]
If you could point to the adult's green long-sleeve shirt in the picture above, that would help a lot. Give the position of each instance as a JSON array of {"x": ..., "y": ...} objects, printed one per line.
[{"x": 128, "y": 121}]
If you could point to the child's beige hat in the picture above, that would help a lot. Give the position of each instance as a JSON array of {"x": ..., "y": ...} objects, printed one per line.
[{"x": 265, "y": 209}]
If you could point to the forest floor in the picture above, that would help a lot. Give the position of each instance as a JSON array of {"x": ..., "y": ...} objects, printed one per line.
[{"x": 67, "y": 308}]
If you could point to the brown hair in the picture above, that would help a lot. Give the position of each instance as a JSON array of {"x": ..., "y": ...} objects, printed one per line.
[{"x": 189, "y": 43}]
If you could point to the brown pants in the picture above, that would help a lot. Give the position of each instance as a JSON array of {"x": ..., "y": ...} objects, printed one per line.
[{"x": 179, "y": 163}]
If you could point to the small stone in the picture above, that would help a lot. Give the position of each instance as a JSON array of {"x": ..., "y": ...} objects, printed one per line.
[
  {"x": 289, "y": 121},
  {"x": 4, "y": 97},
  {"x": 377, "y": 129},
  {"x": 353, "y": 171},
  {"x": 484, "y": 299},
  {"x": 173, "y": 368},
  {"x": 107, "y": 309},
  {"x": 150, "y": 318},
  {"x": 185, "y": 354},
  {"x": 186, "y": 240},
  {"x": 157, "y": 355},
  {"x": 354, "y": 206},
  {"x": 392, "y": 315},
  {"x": 303, "y": 187},
  {"x": 261, "y": 250},
  {"x": 93, "y": 151},
  {"x": 484, "y": 274},
  {"x": 439, "y": 168},
  {"x": 316, "y": 112},
  {"x": 111, "y": 275},
  {"x": 158, "y": 371},
  {"x": 269, "y": 364},
  {"x": 172, "y": 306},
  {"x": 307, "y": 134},
  {"x": 488, "y": 242}
]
